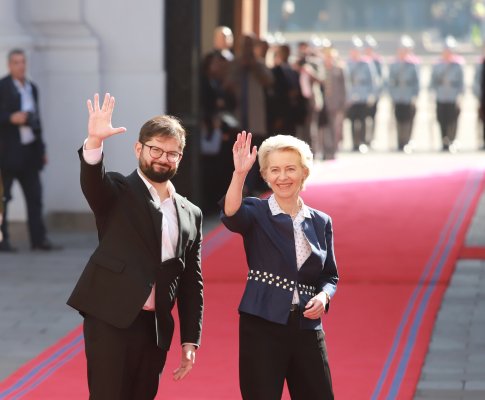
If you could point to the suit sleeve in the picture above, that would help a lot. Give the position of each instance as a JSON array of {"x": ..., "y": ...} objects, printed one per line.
[
  {"x": 329, "y": 276},
  {"x": 36, "y": 123},
  {"x": 416, "y": 83},
  {"x": 241, "y": 221},
  {"x": 190, "y": 300},
  {"x": 98, "y": 188},
  {"x": 4, "y": 105},
  {"x": 1, "y": 195},
  {"x": 461, "y": 79},
  {"x": 434, "y": 78}
]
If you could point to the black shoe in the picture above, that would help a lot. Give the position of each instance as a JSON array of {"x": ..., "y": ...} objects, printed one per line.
[
  {"x": 46, "y": 245},
  {"x": 7, "y": 248}
]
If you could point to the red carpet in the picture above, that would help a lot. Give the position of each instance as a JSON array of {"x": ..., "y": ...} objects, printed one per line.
[{"x": 396, "y": 245}]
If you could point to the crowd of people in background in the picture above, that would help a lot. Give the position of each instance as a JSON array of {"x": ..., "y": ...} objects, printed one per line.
[
  {"x": 308, "y": 91},
  {"x": 302, "y": 89}
]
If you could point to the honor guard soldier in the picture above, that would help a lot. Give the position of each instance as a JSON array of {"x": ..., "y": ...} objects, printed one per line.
[
  {"x": 403, "y": 89},
  {"x": 479, "y": 92},
  {"x": 361, "y": 92},
  {"x": 448, "y": 84},
  {"x": 375, "y": 59}
]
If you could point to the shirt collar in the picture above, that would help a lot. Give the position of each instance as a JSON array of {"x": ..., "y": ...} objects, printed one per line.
[
  {"x": 276, "y": 209},
  {"x": 170, "y": 186},
  {"x": 19, "y": 85}
]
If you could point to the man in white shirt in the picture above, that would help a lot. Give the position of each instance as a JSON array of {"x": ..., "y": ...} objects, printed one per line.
[
  {"x": 149, "y": 255},
  {"x": 22, "y": 149}
]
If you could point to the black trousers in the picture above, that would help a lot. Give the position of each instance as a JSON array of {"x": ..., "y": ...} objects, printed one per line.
[
  {"x": 271, "y": 353},
  {"x": 447, "y": 115},
  {"x": 404, "y": 113},
  {"x": 29, "y": 180},
  {"x": 123, "y": 364},
  {"x": 357, "y": 114},
  {"x": 483, "y": 135}
]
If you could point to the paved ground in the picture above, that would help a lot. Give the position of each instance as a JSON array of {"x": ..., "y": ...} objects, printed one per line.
[
  {"x": 33, "y": 291},
  {"x": 455, "y": 364},
  {"x": 35, "y": 286}
]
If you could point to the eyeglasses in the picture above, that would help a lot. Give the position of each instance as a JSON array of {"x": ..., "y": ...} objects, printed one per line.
[{"x": 157, "y": 152}]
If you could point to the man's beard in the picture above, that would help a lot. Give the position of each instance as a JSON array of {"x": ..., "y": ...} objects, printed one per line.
[{"x": 157, "y": 176}]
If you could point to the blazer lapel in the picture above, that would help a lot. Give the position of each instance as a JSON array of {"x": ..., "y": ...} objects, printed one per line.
[
  {"x": 15, "y": 95},
  {"x": 280, "y": 231},
  {"x": 309, "y": 230},
  {"x": 152, "y": 232},
  {"x": 184, "y": 224},
  {"x": 315, "y": 232}
]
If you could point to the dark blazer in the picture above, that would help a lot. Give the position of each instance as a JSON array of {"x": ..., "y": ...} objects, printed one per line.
[
  {"x": 121, "y": 272},
  {"x": 1, "y": 193},
  {"x": 11, "y": 154},
  {"x": 482, "y": 91},
  {"x": 270, "y": 253},
  {"x": 287, "y": 103}
]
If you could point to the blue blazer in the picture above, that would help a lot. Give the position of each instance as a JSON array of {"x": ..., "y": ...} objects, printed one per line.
[{"x": 269, "y": 244}]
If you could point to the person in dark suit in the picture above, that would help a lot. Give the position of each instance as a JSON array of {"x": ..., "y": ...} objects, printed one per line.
[
  {"x": 22, "y": 149},
  {"x": 292, "y": 274},
  {"x": 1, "y": 206},
  {"x": 215, "y": 105},
  {"x": 286, "y": 107},
  {"x": 481, "y": 97},
  {"x": 148, "y": 256}
]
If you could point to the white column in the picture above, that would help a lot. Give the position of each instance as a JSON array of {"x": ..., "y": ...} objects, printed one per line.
[
  {"x": 65, "y": 66},
  {"x": 132, "y": 68},
  {"x": 12, "y": 34},
  {"x": 74, "y": 53}
]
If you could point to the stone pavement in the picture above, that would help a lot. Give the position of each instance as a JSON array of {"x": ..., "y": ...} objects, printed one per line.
[
  {"x": 455, "y": 364},
  {"x": 34, "y": 287}
]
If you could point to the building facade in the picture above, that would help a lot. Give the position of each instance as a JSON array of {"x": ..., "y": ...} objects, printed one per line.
[{"x": 76, "y": 48}]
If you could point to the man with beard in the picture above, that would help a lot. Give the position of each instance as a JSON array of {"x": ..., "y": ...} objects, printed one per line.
[{"x": 149, "y": 255}]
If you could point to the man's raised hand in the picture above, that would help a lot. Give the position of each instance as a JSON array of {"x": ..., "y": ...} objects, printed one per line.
[{"x": 99, "y": 123}]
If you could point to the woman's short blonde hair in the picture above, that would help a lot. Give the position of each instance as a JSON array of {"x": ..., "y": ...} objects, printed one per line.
[{"x": 285, "y": 143}]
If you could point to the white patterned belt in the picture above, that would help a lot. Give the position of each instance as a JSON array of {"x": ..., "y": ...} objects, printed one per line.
[{"x": 280, "y": 282}]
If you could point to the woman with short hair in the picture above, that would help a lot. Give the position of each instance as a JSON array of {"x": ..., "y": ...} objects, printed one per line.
[{"x": 292, "y": 273}]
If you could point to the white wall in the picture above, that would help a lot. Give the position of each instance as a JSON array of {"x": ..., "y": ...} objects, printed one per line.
[
  {"x": 76, "y": 48},
  {"x": 132, "y": 68}
]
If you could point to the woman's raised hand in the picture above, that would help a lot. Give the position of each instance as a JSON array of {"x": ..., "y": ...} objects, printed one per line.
[
  {"x": 99, "y": 123},
  {"x": 244, "y": 156}
]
